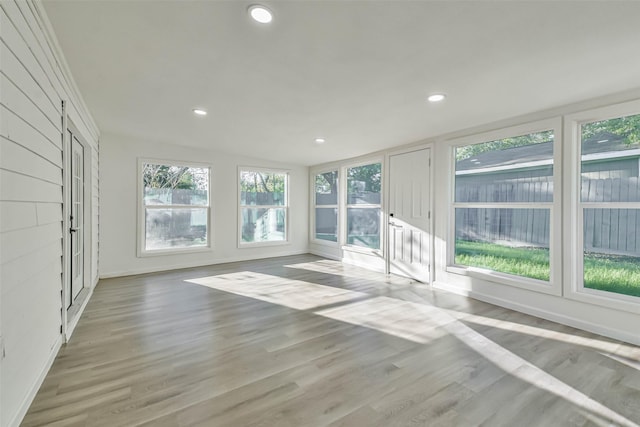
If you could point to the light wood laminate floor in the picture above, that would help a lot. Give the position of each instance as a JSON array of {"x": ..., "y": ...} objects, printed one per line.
[{"x": 304, "y": 341}]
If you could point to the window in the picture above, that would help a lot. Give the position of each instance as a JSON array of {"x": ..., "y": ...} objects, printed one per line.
[
  {"x": 175, "y": 207},
  {"x": 263, "y": 206},
  {"x": 609, "y": 205},
  {"x": 504, "y": 206},
  {"x": 363, "y": 205},
  {"x": 326, "y": 206}
]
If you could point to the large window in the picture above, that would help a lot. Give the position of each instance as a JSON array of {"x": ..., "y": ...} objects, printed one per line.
[
  {"x": 503, "y": 205},
  {"x": 363, "y": 205},
  {"x": 326, "y": 206},
  {"x": 175, "y": 207},
  {"x": 263, "y": 206},
  {"x": 609, "y": 205}
]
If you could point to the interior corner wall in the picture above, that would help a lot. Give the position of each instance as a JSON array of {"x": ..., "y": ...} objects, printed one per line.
[
  {"x": 119, "y": 202},
  {"x": 34, "y": 82}
]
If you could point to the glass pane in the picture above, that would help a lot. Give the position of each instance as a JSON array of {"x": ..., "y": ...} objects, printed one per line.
[
  {"x": 263, "y": 188},
  {"x": 175, "y": 228},
  {"x": 517, "y": 169},
  {"x": 610, "y": 161},
  {"x": 327, "y": 224},
  {"x": 612, "y": 250},
  {"x": 513, "y": 241},
  {"x": 363, "y": 227},
  {"x": 263, "y": 224},
  {"x": 175, "y": 185},
  {"x": 363, "y": 184},
  {"x": 327, "y": 188}
]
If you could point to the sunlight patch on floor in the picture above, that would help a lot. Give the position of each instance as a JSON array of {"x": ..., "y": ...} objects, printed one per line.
[
  {"x": 295, "y": 294},
  {"x": 334, "y": 268},
  {"x": 506, "y": 325},
  {"x": 420, "y": 323}
]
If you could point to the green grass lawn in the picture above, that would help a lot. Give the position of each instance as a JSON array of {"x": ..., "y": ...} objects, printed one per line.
[{"x": 612, "y": 273}]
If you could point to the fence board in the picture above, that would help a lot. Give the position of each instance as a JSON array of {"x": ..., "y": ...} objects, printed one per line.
[{"x": 605, "y": 230}]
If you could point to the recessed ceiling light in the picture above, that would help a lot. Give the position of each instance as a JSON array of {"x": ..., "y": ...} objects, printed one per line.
[
  {"x": 199, "y": 112},
  {"x": 436, "y": 97},
  {"x": 320, "y": 140},
  {"x": 260, "y": 14}
]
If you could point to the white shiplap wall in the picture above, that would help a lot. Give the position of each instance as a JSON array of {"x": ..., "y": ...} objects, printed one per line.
[{"x": 34, "y": 80}]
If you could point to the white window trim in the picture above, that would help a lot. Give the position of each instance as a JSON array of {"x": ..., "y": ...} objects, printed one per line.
[
  {"x": 554, "y": 285},
  {"x": 312, "y": 208},
  {"x": 344, "y": 197},
  {"x": 573, "y": 282},
  {"x": 142, "y": 252},
  {"x": 286, "y": 207}
]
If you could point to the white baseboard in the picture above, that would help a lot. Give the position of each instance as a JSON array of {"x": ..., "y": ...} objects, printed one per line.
[
  {"x": 574, "y": 322},
  {"x": 135, "y": 271},
  {"x": 33, "y": 390},
  {"x": 324, "y": 254},
  {"x": 361, "y": 264}
]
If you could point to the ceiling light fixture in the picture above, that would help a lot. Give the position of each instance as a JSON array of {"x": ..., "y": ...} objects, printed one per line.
[
  {"x": 320, "y": 140},
  {"x": 199, "y": 112},
  {"x": 436, "y": 97},
  {"x": 260, "y": 14}
]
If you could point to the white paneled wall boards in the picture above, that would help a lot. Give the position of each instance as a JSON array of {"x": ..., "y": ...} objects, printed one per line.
[{"x": 34, "y": 80}]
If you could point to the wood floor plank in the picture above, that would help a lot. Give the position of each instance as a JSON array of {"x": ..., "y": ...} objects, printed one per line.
[{"x": 305, "y": 341}]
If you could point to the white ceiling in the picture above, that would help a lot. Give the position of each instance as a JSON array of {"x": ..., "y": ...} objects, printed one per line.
[{"x": 354, "y": 72}]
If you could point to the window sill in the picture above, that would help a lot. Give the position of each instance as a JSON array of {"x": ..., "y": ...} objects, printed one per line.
[
  {"x": 605, "y": 299},
  {"x": 247, "y": 245},
  {"x": 163, "y": 252},
  {"x": 321, "y": 242},
  {"x": 361, "y": 250},
  {"x": 506, "y": 279}
]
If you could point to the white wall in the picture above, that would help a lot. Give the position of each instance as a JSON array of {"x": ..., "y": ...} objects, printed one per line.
[
  {"x": 118, "y": 208},
  {"x": 34, "y": 81}
]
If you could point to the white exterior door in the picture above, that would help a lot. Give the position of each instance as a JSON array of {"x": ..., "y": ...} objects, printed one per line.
[
  {"x": 409, "y": 215},
  {"x": 77, "y": 219}
]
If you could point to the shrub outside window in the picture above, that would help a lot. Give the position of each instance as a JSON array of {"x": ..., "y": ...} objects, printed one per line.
[
  {"x": 263, "y": 206},
  {"x": 364, "y": 205},
  {"x": 503, "y": 205},
  {"x": 175, "y": 207},
  {"x": 326, "y": 206}
]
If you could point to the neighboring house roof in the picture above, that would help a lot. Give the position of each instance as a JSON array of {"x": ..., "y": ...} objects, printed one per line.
[{"x": 607, "y": 146}]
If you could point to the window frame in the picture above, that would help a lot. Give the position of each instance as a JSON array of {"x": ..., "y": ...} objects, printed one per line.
[
  {"x": 313, "y": 206},
  {"x": 286, "y": 207},
  {"x": 554, "y": 285},
  {"x": 142, "y": 252},
  {"x": 344, "y": 199},
  {"x": 574, "y": 222}
]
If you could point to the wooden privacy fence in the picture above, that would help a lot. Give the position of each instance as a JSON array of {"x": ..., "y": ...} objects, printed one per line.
[{"x": 605, "y": 229}]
